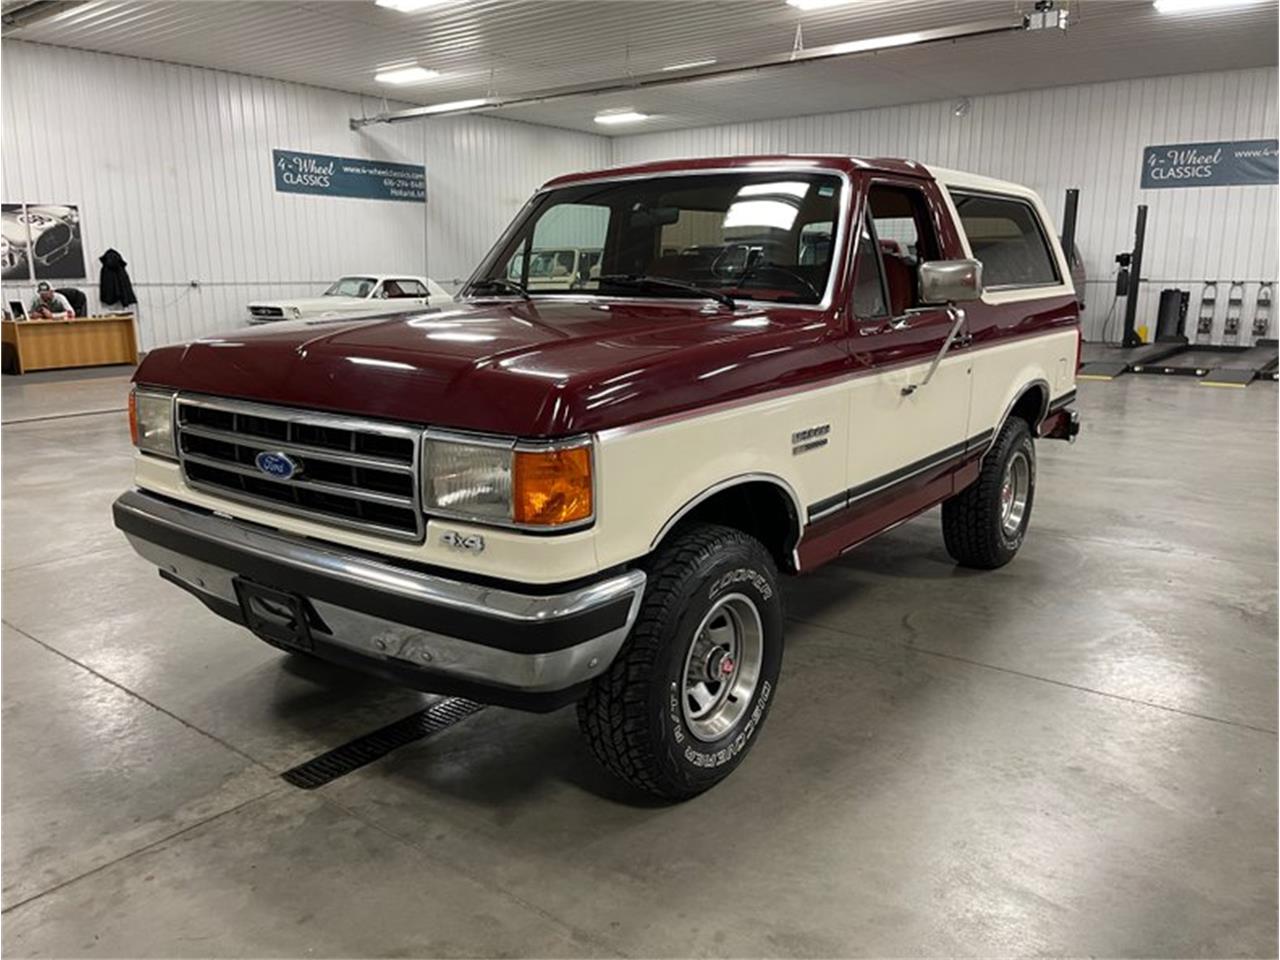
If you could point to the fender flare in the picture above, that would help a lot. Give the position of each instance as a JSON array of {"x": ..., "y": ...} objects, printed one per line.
[
  {"x": 796, "y": 511},
  {"x": 1039, "y": 383}
]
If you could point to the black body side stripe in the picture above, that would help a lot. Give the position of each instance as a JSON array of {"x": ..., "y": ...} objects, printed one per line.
[
  {"x": 981, "y": 439},
  {"x": 848, "y": 498}
]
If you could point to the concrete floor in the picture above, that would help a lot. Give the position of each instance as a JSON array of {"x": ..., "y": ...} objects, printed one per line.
[{"x": 1073, "y": 755}]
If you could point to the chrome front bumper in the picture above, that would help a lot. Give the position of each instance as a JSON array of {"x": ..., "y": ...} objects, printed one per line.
[{"x": 420, "y": 629}]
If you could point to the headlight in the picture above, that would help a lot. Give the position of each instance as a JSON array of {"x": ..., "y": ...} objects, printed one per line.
[
  {"x": 151, "y": 421},
  {"x": 527, "y": 485}
]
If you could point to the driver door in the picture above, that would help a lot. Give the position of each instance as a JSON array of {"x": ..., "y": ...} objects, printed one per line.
[{"x": 902, "y": 440}]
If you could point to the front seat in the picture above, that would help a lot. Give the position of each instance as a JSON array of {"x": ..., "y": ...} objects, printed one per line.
[{"x": 899, "y": 278}]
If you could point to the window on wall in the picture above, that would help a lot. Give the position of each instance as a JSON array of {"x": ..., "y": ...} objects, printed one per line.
[{"x": 1006, "y": 235}]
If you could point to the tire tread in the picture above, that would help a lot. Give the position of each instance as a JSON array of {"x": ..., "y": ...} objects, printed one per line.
[
  {"x": 971, "y": 519},
  {"x": 614, "y": 715}
]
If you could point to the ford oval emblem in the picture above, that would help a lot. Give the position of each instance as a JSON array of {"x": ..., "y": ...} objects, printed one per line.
[{"x": 277, "y": 465}]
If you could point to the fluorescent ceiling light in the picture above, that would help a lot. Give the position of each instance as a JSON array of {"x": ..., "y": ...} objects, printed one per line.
[
  {"x": 404, "y": 73},
  {"x": 409, "y": 6},
  {"x": 621, "y": 116},
  {"x": 809, "y": 4},
  {"x": 876, "y": 43},
  {"x": 455, "y": 105},
  {"x": 1198, "y": 6},
  {"x": 690, "y": 64}
]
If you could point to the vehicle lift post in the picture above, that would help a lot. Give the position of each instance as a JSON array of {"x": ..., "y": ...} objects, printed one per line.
[
  {"x": 1069, "y": 209},
  {"x": 1131, "y": 338}
]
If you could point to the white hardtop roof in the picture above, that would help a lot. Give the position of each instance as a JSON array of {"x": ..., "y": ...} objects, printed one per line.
[{"x": 961, "y": 179}]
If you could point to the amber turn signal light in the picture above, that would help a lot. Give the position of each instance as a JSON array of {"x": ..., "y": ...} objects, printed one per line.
[
  {"x": 552, "y": 487},
  {"x": 133, "y": 416}
]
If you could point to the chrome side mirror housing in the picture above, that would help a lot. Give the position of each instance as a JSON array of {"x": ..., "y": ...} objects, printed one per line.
[{"x": 950, "y": 281}]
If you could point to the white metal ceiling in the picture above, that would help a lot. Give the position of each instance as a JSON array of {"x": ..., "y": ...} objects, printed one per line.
[{"x": 485, "y": 47}]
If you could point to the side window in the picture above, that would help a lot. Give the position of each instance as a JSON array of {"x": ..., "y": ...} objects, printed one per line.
[
  {"x": 868, "y": 290},
  {"x": 403, "y": 287},
  {"x": 906, "y": 236},
  {"x": 1006, "y": 235},
  {"x": 515, "y": 266}
]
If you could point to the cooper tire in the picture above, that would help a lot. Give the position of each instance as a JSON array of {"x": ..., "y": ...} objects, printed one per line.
[
  {"x": 985, "y": 524},
  {"x": 686, "y": 696}
]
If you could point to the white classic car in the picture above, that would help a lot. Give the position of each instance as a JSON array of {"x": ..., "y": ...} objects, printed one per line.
[{"x": 354, "y": 295}]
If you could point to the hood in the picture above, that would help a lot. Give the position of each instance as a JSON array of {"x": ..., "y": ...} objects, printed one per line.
[
  {"x": 533, "y": 369},
  {"x": 112, "y": 260}
]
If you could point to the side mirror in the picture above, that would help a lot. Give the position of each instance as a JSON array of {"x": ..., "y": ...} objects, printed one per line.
[{"x": 950, "y": 281}]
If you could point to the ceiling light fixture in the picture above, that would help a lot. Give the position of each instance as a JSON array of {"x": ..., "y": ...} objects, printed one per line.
[
  {"x": 403, "y": 73},
  {"x": 1199, "y": 6},
  {"x": 455, "y": 105},
  {"x": 817, "y": 4},
  {"x": 690, "y": 65},
  {"x": 621, "y": 116},
  {"x": 871, "y": 44},
  {"x": 408, "y": 6}
]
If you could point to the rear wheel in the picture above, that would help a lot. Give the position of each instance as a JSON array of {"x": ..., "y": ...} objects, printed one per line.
[
  {"x": 984, "y": 525},
  {"x": 682, "y": 703}
]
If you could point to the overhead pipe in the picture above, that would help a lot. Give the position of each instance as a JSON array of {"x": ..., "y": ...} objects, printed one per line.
[{"x": 666, "y": 78}]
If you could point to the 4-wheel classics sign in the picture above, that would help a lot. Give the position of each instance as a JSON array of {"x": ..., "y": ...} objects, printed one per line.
[
  {"x": 325, "y": 175},
  {"x": 1227, "y": 163}
]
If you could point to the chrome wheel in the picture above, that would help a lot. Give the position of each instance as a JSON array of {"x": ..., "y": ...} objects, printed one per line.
[
  {"x": 1015, "y": 492},
  {"x": 722, "y": 667}
]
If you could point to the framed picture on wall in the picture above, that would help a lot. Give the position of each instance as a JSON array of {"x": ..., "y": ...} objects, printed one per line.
[
  {"x": 15, "y": 242},
  {"x": 56, "y": 250}
]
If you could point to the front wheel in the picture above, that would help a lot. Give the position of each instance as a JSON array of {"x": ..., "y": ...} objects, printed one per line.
[
  {"x": 684, "y": 700},
  {"x": 984, "y": 525}
]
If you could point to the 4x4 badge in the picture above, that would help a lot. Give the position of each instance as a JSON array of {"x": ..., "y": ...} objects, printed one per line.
[{"x": 473, "y": 542}]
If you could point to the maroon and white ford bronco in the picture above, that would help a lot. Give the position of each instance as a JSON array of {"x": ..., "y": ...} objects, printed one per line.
[{"x": 588, "y": 492}]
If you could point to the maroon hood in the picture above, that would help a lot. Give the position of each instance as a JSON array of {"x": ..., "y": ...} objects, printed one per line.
[{"x": 526, "y": 368}]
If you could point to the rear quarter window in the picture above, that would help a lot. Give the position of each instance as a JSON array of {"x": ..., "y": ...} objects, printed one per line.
[{"x": 1006, "y": 234}]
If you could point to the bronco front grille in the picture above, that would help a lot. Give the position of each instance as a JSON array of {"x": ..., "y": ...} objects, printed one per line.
[{"x": 346, "y": 471}]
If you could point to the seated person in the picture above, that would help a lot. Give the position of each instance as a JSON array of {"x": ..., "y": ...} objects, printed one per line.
[{"x": 50, "y": 305}]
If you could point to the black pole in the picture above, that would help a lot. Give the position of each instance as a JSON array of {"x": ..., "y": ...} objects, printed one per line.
[
  {"x": 1069, "y": 227},
  {"x": 1135, "y": 282}
]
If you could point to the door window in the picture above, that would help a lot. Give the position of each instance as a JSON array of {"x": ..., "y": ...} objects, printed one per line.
[
  {"x": 403, "y": 287},
  {"x": 868, "y": 287},
  {"x": 1006, "y": 235},
  {"x": 906, "y": 238}
]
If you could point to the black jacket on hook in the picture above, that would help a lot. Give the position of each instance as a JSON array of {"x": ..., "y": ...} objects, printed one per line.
[{"x": 114, "y": 285}]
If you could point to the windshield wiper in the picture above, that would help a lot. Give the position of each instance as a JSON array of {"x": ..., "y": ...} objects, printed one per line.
[
  {"x": 500, "y": 283},
  {"x": 648, "y": 280}
]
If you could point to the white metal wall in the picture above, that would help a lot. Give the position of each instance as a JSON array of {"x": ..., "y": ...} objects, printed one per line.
[
  {"x": 480, "y": 172},
  {"x": 171, "y": 165},
  {"x": 1088, "y": 136}
]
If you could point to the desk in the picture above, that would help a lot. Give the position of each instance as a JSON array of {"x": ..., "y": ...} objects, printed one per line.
[{"x": 84, "y": 342}]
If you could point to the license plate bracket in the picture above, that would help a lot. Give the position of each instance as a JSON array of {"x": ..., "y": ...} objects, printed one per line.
[{"x": 277, "y": 616}]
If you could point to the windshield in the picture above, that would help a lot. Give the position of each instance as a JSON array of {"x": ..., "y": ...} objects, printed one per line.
[
  {"x": 351, "y": 287},
  {"x": 757, "y": 235}
]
